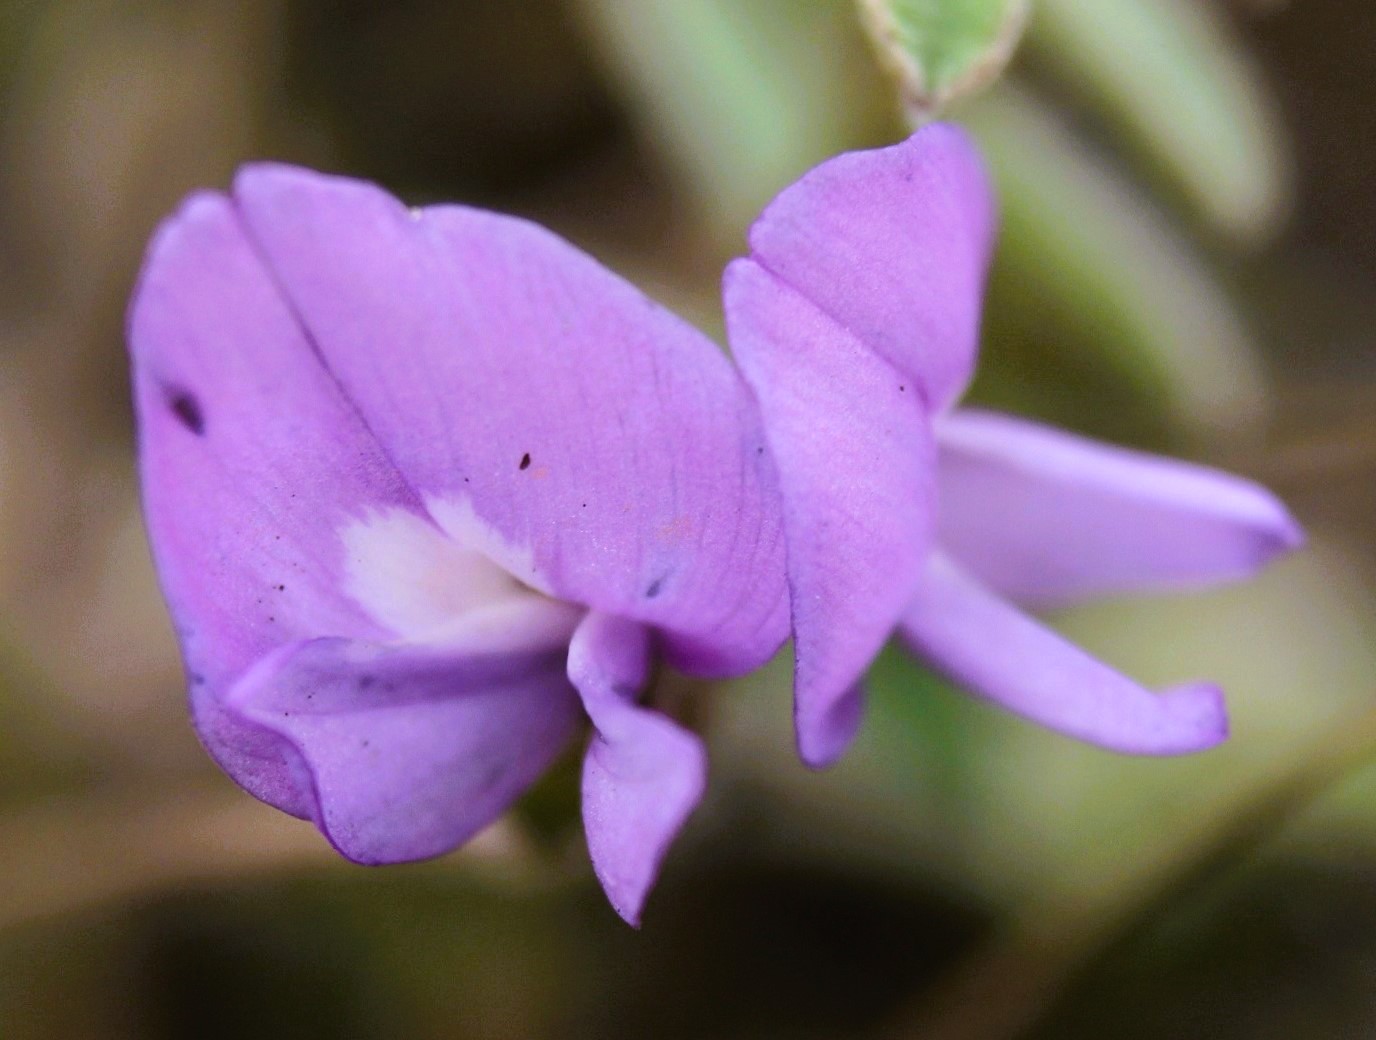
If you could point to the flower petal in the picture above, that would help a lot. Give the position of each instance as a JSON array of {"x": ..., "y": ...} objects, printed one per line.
[
  {"x": 410, "y": 750},
  {"x": 1049, "y": 518},
  {"x": 642, "y": 775},
  {"x": 510, "y": 374},
  {"x": 1000, "y": 654},
  {"x": 251, "y": 462},
  {"x": 893, "y": 244},
  {"x": 852, "y": 441}
]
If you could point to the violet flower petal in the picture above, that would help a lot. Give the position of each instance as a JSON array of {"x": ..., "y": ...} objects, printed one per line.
[
  {"x": 251, "y": 460},
  {"x": 987, "y": 646},
  {"x": 1049, "y": 518},
  {"x": 504, "y": 369},
  {"x": 893, "y": 244},
  {"x": 642, "y": 775},
  {"x": 853, "y": 445},
  {"x": 410, "y": 751}
]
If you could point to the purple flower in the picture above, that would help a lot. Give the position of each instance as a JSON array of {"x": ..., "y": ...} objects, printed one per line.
[
  {"x": 427, "y": 489},
  {"x": 855, "y": 320}
]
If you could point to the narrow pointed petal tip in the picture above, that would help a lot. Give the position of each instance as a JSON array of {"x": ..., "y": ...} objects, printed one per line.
[
  {"x": 997, "y": 653},
  {"x": 1049, "y": 518},
  {"x": 637, "y": 794},
  {"x": 1286, "y": 534},
  {"x": 825, "y": 730},
  {"x": 1195, "y": 717}
]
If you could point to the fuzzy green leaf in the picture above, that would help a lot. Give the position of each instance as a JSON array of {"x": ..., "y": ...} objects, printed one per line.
[{"x": 940, "y": 50}]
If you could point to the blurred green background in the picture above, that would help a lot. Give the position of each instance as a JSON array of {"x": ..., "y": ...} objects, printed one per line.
[{"x": 1186, "y": 264}]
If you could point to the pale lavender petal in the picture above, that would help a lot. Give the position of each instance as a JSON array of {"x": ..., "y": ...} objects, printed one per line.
[
  {"x": 410, "y": 751},
  {"x": 251, "y": 461},
  {"x": 1049, "y": 518},
  {"x": 852, "y": 441},
  {"x": 507, "y": 372},
  {"x": 996, "y": 652},
  {"x": 642, "y": 775},
  {"x": 893, "y": 244}
]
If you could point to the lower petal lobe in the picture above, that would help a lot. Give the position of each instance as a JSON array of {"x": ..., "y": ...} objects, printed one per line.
[
  {"x": 642, "y": 774},
  {"x": 997, "y": 653},
  {"x": 409, "y": 750}
]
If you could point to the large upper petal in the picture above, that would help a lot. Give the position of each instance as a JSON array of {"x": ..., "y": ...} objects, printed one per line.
[
  {"x": 893, "y": 244},
  {"x": 996, "y": 652},
  {"x": 642, "y": 774},
  {"x": 252, "y": 461},
  {"x": 852, "y": 441},
  {"x": 507, "y": 372},
  {"x": 1049, "y": 518},
  {"x": 409, "y": 750}
]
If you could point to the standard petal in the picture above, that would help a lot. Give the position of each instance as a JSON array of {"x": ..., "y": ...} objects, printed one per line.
[
  {"x": 510, "y": 375},
  {"x": 1000, "y": 654},
  {"x": 852, "y": 441},
  {"x": 251, "y": 462},
  {"x": 1048, "y": 518},
  {"x": 642, "y": 775},
  {"x": 410, "y": 751},
  {"x": 893, "y": 244}
]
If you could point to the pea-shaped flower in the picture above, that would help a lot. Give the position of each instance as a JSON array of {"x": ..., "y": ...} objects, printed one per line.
[
  {"x": 855, "y": 319},
  {"x": 427, "y": 489}
]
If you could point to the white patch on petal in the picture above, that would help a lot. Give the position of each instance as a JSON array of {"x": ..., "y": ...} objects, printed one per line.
[
  {"x": 453, "y": 584},
  {"x": 458, "y": 520}
]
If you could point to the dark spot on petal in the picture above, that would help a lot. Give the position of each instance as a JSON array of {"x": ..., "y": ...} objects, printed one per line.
[
  {"x": 656, "y": 587},
  {"x": 365, "y": 681},
  {"x": 187, "y": 410},
  {"x": 525, "y": 461},
  {"x": 280, "y": 588},
  {"x": 902, "y": 388},
  {"x": 197, "y": 679}
]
